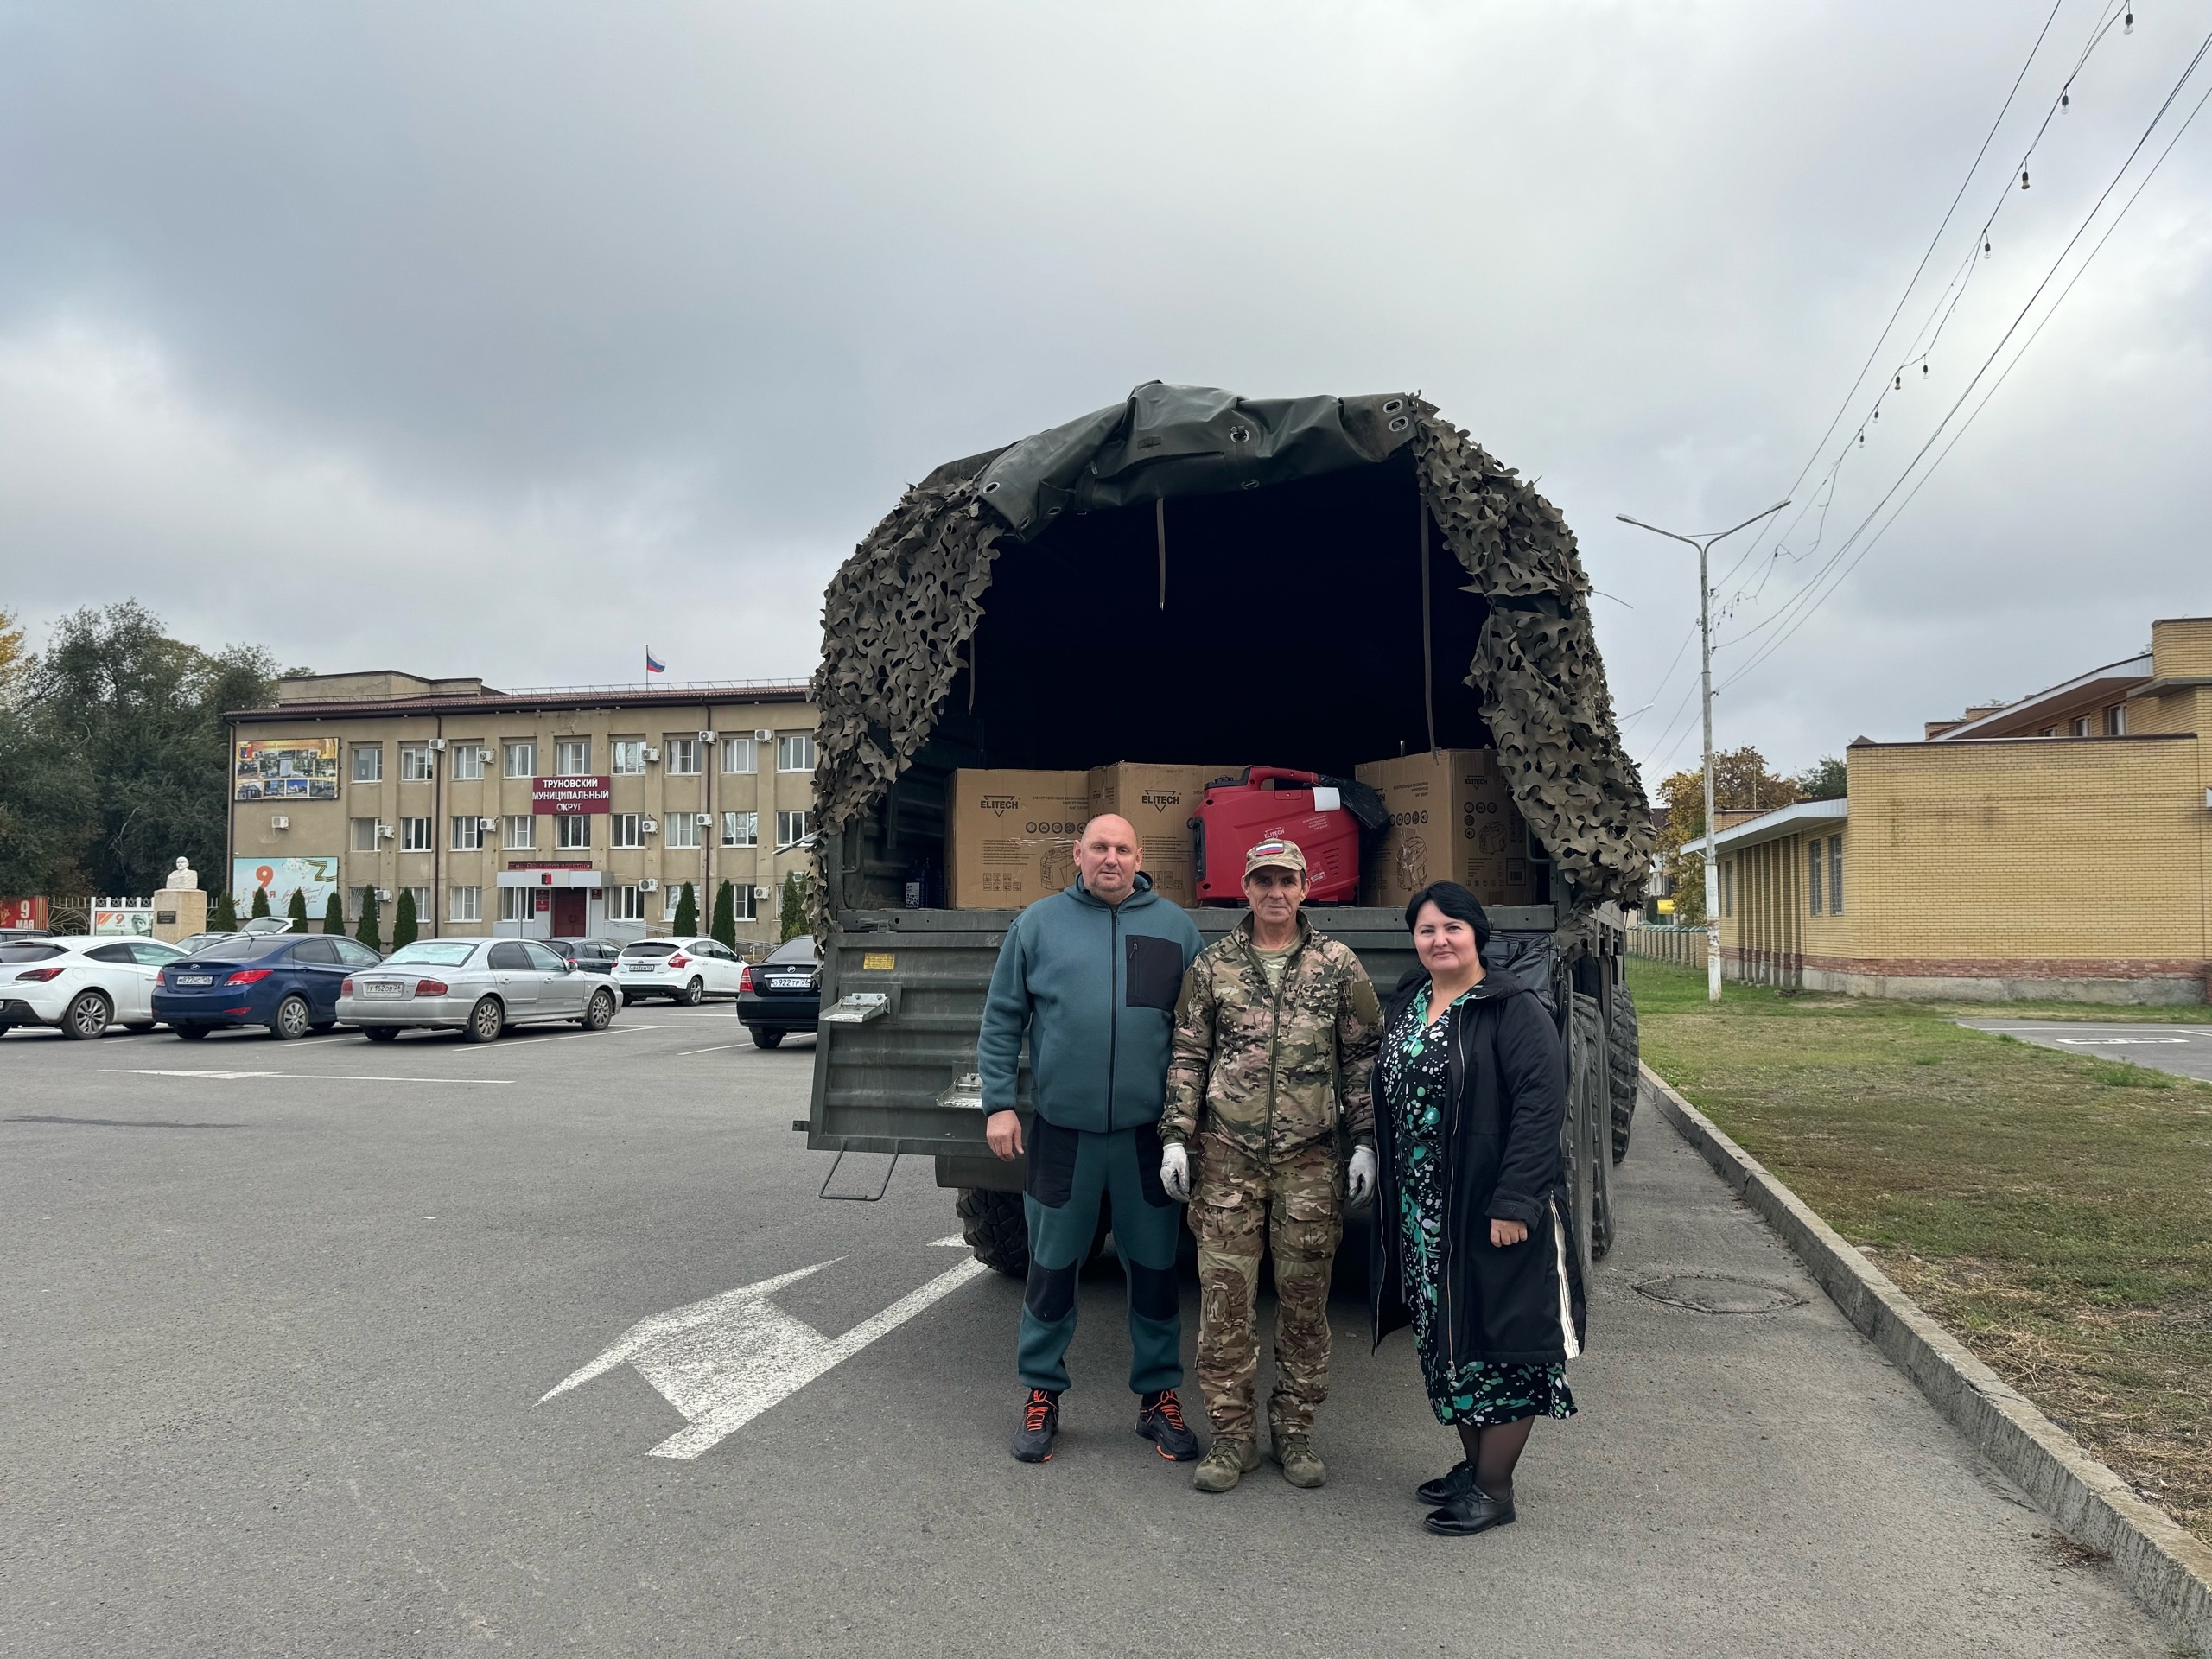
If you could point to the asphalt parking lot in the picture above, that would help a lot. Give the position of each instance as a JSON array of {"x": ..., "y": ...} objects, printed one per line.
[
  {"x": 2185, "y": 1050},
  {"x": 287, "y": 1327}
]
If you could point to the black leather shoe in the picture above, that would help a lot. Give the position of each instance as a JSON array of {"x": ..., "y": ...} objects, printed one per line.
[
  {"x": 1473, "y": 1512},
  {"x": 1040, "y": 1421},
  {"x": 1160, "y": 1420},
  {"x": 1446, "y": 1487}
]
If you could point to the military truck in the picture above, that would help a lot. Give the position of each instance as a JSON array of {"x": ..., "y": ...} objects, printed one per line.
[{"x": 1185, "y": 575}]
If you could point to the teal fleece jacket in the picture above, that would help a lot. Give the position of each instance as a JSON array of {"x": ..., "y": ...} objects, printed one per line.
[{"x": 1093, "y": 986}]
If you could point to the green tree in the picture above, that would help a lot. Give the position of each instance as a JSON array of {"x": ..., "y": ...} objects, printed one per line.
[
  {"x": 225, "y": 917},
  {"x": 1742, "y": 782},
  {"x": 687, "y": 910},
  {"x": 366, "y": 932},
  {"x": 725, "y": 923},
  {"x": 1825, "y": 779},
  {"x": 791, "y": 922},
  {"x": 297, "y": 910},
  {"x": 333, "y": 913},
  {"x": 260, "y": 899},
  {"x": 402, "y": 920}
]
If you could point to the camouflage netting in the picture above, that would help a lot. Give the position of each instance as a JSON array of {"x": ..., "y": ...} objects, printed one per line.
[{"x": 900, "y": 613}]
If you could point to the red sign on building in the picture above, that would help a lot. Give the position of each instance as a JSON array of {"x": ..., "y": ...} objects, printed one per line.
[{"x": 565, "y": 796}]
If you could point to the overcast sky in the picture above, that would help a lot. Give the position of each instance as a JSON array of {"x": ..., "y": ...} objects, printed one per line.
[{"x": 514, "y": 339}]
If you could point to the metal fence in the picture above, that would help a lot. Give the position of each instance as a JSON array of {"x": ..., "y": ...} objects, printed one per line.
[{"x": 1683, "y": 946}]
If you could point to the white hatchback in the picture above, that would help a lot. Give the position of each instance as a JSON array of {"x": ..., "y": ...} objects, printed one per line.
[
  {"x": 687, "y": 970},
  {"x": 82, "y": 984}
]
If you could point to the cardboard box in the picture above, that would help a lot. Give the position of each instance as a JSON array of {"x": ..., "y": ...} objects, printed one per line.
[
  {"x": 1160, "y": 802},
  {"x": 1451, "y": 819},
  {"x": 1010, "y": 835}
]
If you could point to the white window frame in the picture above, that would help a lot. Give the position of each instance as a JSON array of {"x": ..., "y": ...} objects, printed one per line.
[
  {"x": 573, "y": 832},
  {"x": 629, "y": 759},
  {"x": 629, "y": 905},
  {"x": 740, "y": 754},
  {"x": 468, "y": 832},
  {"x": 357, "y": 899},
  {"x": 423, "y": 914},
  {"x": 672, "y": 895},
  {"x": 572, "y": 757},
  {"x": 467, "y": 761},
  {"x": 418, "y": 763},
  {"x": 623, "y": 832},
  {"x": 464, "y": 903},
  {"x": 680, "y": 831},
  {"x": 740, "y": 828},
  {"x": 518, "y": 904},
  {"x": 792, "y": 748},
  {"x": 417, "y": 835},
  {"x": 519, "y": 760},
  {"x": 518, "y": 833},
  {"x": 362, "y": 834},
  {"x": 747, "y": 907},
  {"x": 368, "y": 763},
  {"x": 785, "y": 840},
  {"x": 680, "y": 756}
]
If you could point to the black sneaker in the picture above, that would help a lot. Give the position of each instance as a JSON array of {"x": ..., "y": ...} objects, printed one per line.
[
  {"x": 1160, "y": 1420},
  {"x": 1040, "y": 1421}
]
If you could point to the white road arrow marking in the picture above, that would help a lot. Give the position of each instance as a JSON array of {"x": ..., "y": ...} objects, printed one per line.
[{"x": 724, "y": 1361}]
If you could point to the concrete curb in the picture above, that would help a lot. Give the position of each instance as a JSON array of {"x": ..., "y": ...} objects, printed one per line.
[{"x": 2168, "y": 1572}]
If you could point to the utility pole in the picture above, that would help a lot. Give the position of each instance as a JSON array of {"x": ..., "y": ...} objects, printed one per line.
[{"x": 1704, "y": 545}]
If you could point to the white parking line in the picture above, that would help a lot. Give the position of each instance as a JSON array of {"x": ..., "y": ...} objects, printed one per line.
[
  {"x": 304, "y": 1076},
  {"x": 686, "y": 1054}
]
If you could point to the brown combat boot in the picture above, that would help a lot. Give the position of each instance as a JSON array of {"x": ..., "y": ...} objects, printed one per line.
[
  {"x": 1226, "y": 1462},
  {"x": 1301, "y": 1464}
]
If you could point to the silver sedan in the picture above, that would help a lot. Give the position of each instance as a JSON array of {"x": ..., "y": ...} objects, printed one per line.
[{"x": 476, "y": 987}]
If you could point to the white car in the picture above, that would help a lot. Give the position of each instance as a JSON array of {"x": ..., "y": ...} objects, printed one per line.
[
  {"x": 82, "y": 984},
  {"x": 687, "y": 970}
]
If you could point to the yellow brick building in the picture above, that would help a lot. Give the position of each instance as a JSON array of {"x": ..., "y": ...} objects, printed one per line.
[
  {"x": 2057, "y": 847},
  {"x": 574, "y": 812}
]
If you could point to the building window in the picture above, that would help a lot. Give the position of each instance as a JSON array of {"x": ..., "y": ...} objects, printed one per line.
[
  {"x": 357, "y": 901},
  {"x": 465, "y": 903},
  {"x": 365, "y": 834},
  {"x": 795, "y": 751},
  {"x": 740, "y": 828},
  {"x": 623, "y": 830},
  {"x": 572, "y": 830},
  {"x": 468, "y": 833},
  {"x": 416, "y": 766},
  {"x": 518, "y": 904},
  {"x": 629, "y": 905},
  {"x": 423, "y": 911},
  {"x": 747, "y": 907},
  {"x": 740, "y": 754},
  {"x": 672, "y": 897},
  {"x": 518, "y": 833},
  {"x": 1813, "y": 884},
  {"x": 682, "y": 829},
  {"x": 683, "y": 755},
  {"x": 1835, "y": 875},
  {"x": 2116, "y": 720},
  {"x": 467, "y": 763},
  {"x": 368, "y": 763},
  {"x": 1728, "y": 887},
  {"x": 572, "y": 757},
  {"x": 522, "y": 759},
  {"x": 2080, "y": 727},
  {"x": 414, "y": 835},
  {"x": 629, "y": 757},
  {"x": 791, "y": 828}
]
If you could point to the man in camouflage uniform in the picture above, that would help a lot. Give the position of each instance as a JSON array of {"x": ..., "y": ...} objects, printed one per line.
[{"x": 1275, "y": 1037}]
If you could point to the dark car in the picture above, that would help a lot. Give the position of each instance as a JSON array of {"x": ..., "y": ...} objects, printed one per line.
[
  {"x": 782, "y": 994},
  {"x": 289, "y": 983},
  {"x": 586, "y": 956}
]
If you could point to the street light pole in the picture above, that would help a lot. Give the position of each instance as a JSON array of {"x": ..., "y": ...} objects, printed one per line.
[{"x": 1704, "y": 545}]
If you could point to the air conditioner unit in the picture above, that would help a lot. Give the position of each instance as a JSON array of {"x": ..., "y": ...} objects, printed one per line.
[
  {"x": 762, "y": 737},
  {"x": 280, "y": 822},
  {"x": 761, "y": 893},
  {"x": 706, "y": 737},
  {"x": 651, "y": 754},
  {"x": 488, "y": 823},
  {"x": 649, "y": 884},
  {"x": 384, "y": 895},
  {"x": 703, "y": 818},
  {"x": 384, "y": 832},
  {"x": 648, "y": 826},
  {"x": 438, "y": 744},
  {"x": 485, "y": 755}
]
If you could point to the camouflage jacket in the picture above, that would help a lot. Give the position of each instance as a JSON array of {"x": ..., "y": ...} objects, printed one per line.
[{"x": 1261, "y": 1068}]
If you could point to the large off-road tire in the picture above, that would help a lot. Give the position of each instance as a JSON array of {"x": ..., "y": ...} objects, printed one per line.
[
  {"x": 1589, "y": 1118},
  {"x": 995, "y": 1229},
  {"x": 1623, "y": 1050}
]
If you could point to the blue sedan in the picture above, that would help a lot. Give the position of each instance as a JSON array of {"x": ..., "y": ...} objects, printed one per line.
[{"x": 287, "y": 983}]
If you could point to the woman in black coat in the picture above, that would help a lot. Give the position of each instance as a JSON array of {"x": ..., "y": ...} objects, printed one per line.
[{"x": 1469, "y": 1240}]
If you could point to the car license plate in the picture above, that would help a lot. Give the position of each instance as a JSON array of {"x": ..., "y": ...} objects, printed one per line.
[
  {"x": 787, "y": 985},
  {"x": 382, "y": 987},
  {"x": 195, "y": 979}
]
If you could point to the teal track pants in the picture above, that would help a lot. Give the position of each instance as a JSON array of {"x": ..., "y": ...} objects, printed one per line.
[{"x": 1070, "y": 1170}]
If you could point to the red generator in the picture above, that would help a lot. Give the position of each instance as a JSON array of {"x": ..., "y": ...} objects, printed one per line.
[{"x": 1234, "y": 817}]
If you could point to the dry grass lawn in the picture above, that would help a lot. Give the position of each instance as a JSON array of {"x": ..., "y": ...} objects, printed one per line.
[{"x": 2054, "y": 1211}]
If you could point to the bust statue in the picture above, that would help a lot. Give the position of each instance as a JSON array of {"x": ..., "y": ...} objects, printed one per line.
[{"x": 184, "y": 878}]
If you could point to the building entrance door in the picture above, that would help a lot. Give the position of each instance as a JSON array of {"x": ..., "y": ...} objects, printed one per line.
[{"x": 567, "y": 913}]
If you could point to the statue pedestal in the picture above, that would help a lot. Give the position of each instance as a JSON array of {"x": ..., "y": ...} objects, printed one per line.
[{"x": 179, "y": 912}]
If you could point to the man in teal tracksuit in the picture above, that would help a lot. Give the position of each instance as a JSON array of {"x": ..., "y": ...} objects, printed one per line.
[{"x": 1091, "y": 976}]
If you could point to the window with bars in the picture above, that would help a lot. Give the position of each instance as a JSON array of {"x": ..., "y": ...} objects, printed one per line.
[
  {"x": 740, "y": 828},
  {"x": 414, "y": 835},
  {"x": 468, "y": 833},
  {"x": 468, "y": 762},
  {"x": 682, "y": 829},
  {"x": 795, "y": 751},
  {"x": 682, "y": 756},
  {"x": 1835, "y": 875},
  {"x": 522, "y": 759},
  {"x": 368, "y": 763},
  {"x": 518, "y": 832},
  {"x": 573, "y": 830},
  {"x": 740, "y": 754},
  {"x": 629, "y": 757},
  {"x": 791, "y": 829},
  {"x": 417, "y": 766},
  {"x": 465, "y": 903}
]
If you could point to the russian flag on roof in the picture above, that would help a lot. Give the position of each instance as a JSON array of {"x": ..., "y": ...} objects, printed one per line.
[{"x": 651, "y": 666}]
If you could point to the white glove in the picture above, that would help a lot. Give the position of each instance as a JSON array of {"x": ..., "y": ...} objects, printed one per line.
[
  {"x": 1175, "y": 1172},
  {"x": 1361, "y": 1178}
]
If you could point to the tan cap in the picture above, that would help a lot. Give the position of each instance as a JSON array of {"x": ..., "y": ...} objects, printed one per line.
[{"x": 1278, "y": 853}]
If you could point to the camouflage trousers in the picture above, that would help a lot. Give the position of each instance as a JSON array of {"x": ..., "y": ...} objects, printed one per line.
[{"x": 1241, "y": 1206}]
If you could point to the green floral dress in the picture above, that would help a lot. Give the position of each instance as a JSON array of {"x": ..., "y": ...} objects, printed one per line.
[{"x": 1416, "y": 1081}]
